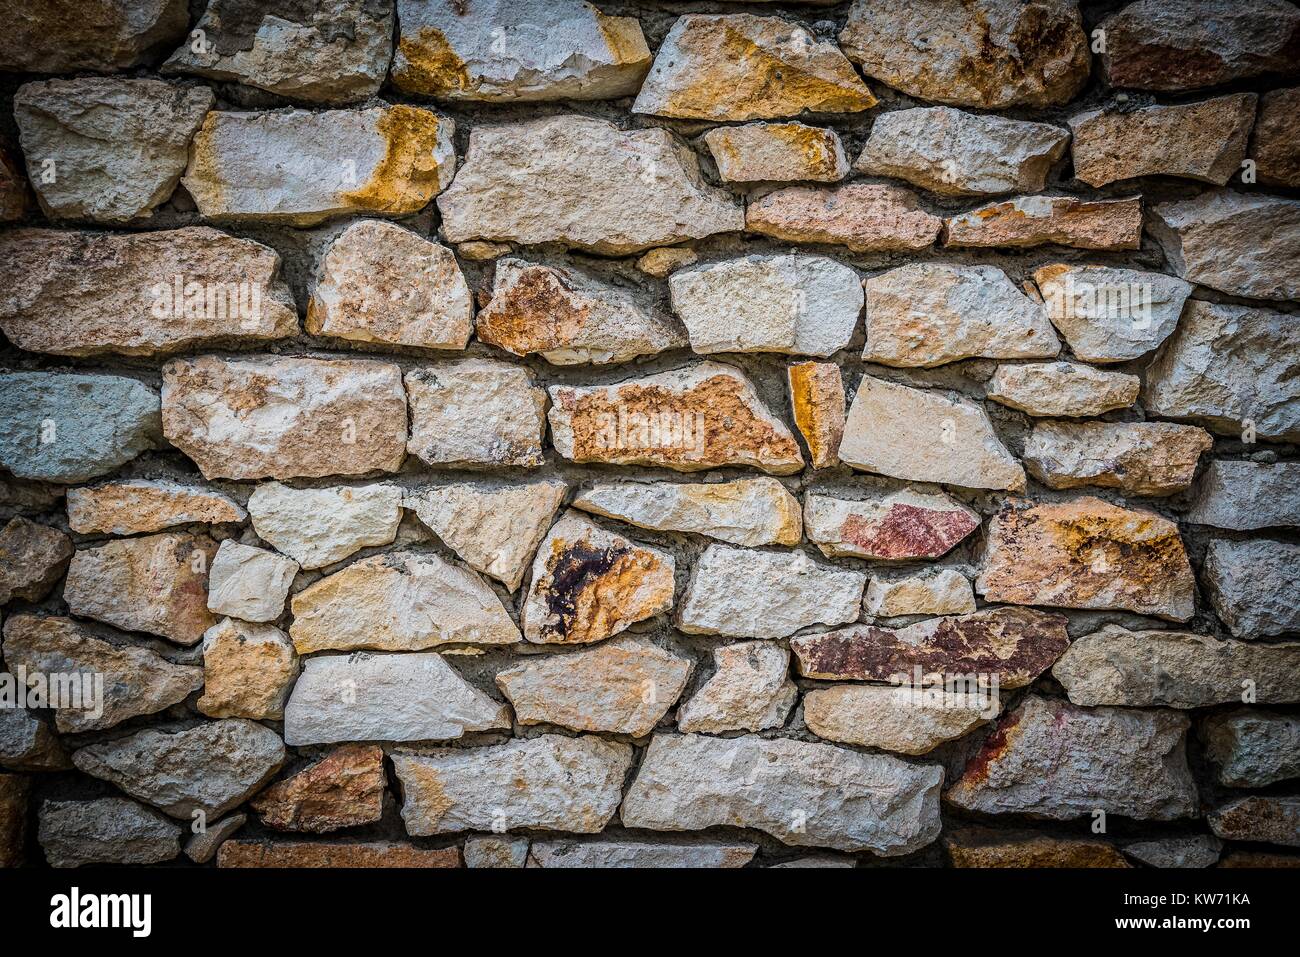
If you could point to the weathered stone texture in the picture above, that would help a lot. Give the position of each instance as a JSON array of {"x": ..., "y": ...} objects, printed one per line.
[
  {"x": 320, "y": 526},
  {"x": 817, "y": 403},
  {"x": 777, "y": 152},
  {"x": 248, "y": 671},
  {"x": 1275, "y": 143},
  {"x": 750, "y": 690},
  {"x": 1252, "y": 748},
  {"x": 1062, "y": 388},
  {"x": 1245, "y": 496},
  {"x": 982, "y": 847},
  {"x": 1109, "y": 224},
  {"x": 33, "y": 558},
  {"x": 343, "y": 789},
  {"x": 1141, "y": 458},
  {"x": 326, "y": 854},
  {"x": 859, "y": 216},
  {"x": 1253, "y": 586},
  {"x": 475, "y": 413},
  {"x": 141, "y": 505},
  {"x": 894, "y": 526},
  {"x": 107, "y": 830}
]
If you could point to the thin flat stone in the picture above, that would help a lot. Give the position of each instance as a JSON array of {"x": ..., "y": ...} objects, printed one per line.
[
  {"x": 1109, "y": 224},
  {"x": 140, "y": 505},
  {"x": 894, "y": 526},
  {"x": 1062, "y": 388}
]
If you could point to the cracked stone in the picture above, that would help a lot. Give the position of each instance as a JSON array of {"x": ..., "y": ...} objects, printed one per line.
[{"x": 817, "y": 403}]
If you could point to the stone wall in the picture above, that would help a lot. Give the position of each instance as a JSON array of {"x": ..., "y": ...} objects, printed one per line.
[{"x": 723, "y": 434}]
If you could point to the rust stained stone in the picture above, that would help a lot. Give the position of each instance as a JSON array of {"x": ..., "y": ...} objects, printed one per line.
[
  {"x": 981, "y": 847},
  {"x": 249, "y": 853},
  {"x": 343, "y": 789},
  {"x": 817, "y": 398},
  {"x": 1087, "y": 553},
  {"x": 1016, "y": 644}
]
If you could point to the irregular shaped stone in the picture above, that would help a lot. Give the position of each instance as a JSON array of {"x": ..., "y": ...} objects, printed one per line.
[
  {"x": 1244, "y": 244},
  {"x": 744, "y": 593},
  {"x": 925, "y": 436},
  {"x": 328, "y": 52},
  {"x": 777, "y": 152},
  {"x": 1111, "y": 315},
  {"x": 701, "y": 416},
  {"x": 475, "y": 412},
  {"x": 14, "y": 203},
  {"x": 1035, "y": 220},
  {"x": 1253, "y": 749},
  {"x": 63, "y": 36},
  {"x": 986, "y": 54},
  {"x": 478, "y": 251},
  {"x": 26, "y": 741},
  {"x": 803, "y": 794},
  {"x": 14, "y": 790},
  {"x": 746, "y": 512},
  {"x": 551, "y": 782},
  {"x": 1142, "y": 458},
  {"x": 1228, "y": 368},
  {"x": 583, "y": 182},
  {"x": 249, "y": 583},
  {"x": 1186, "y": 44},
  {"x": 818, "y": 860},
  {"x": 133, "y": 506},
  {"x": 570, "y": 318},
  {"x": 750, "y": 690},
  {"x": 860, "y": 216},
  {"x": 1253, "y": 587},
  {"x": 985, "y": 847},
  {"x": 70, "y": 427},
  {"x": 926, "y": 314},
  {"x": 1258, "y": 859},
  {"x": 156, "y": 584},
  {"x": 145, "y": 293},
  {"x": 1175, "y": 669},
  {"x": 1086, "y": 553},
  {"x": 638, "y": 854},
  {"x": 248, "y": 671},
  {"x": 136, "y": 680},
  {"x": 943, "y": 592},
  {"x": 203, "y": 846},
  {"x": 663, "y": 260},
  {"x": 624, "y": 686},
  {"x": 1269, "y": 820},
  {"x": 817, "y": 403},
  {"x": 798, "y": 304},
  {"x": 343, "y": 789},
  {"x": 1204, "y": 141},
  {"x": 905, "y": 720},
  {"x": 589, "y": 584},
  {"x": 1201, "y": 850},
  {"x": 1062, "y": 388},
  {"x": 494, "y": 528},
  {"x": 398, "y": 601},
  {"x": 1245, "y": 496},
  {"x": 743, "y": 67},
  {"x": 893, "y": 526},
  {"x": 378, "y": 282},
  {"x": 363, "y": 697},
  {"x": 118, "y": 146},
  {"x": 108, "y": 830},
  {"x": 1012, "y": 645},
  {"x": 1050, "y": 759},
  {"x": 1275, "y": 143},
  {"x": 285, "y": 417},
  {"x": 517, "y": 51},
  {"x": 32, "y": 559},
  {"x": 496, "y": 851},
  {"x": 212, "y": 767},
  {"x": 290, "y": 168},
  {"x": 320, "y": 526},
  {"x": 954, "y": 153},
  {"x": 328, "y": 854}
]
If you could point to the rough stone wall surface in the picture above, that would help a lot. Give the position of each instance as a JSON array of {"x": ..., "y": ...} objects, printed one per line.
[{"x": 462, "y": 433}]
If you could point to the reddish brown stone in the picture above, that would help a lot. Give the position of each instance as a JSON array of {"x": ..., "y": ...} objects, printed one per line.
[
  {"x": 334, "y": 855},
  {"x": 981, "y": 847},
  {"x": 1016, "y": 644},
  {"x": 1036, "y": 220},
  {"x": 14, "y": 789},
  {"x": 1275, "y": 145},
  {"x": 1087, "y": 553},
  {"x": 346, "y": 788},
  {"x": 865, "y": 218},
  {"x": 1259, "y": 859},
  {"x": 894, "y": 527}
]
